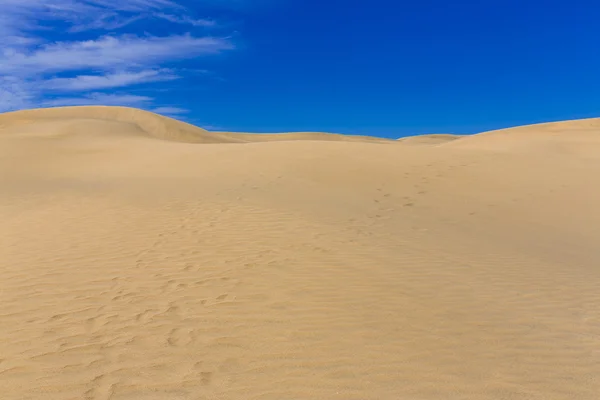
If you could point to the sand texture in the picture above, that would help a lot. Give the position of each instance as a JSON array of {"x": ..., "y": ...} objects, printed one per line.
[{"x": 143, "y": 258}]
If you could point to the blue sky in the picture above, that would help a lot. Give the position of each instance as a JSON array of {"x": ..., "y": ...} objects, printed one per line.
[{"x": 379, "y": 67}]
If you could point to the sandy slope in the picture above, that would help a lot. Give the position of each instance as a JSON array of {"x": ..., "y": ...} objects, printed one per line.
[
  {"x": 133, "y": 268},
  {"x": 124, "y": 121}
]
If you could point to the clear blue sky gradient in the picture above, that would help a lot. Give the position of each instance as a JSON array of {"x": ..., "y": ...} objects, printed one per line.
[
  {"x": 393, "y": 68},
  {"x": 390, "y": 68}
]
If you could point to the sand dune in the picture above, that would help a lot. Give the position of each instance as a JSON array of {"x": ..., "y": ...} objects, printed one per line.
[
  {"x": 124, "y": 121},
  {"x": 577, "y": 138},
  {"x": 134, "y": 268}
]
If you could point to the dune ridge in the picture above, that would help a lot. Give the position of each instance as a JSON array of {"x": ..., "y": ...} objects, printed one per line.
[
  {"x": 576, "y": 136},
  {"x": 153, "y": 125},
  {"x": 145, "y": 123},
  {"x": 138, "y": 269}
]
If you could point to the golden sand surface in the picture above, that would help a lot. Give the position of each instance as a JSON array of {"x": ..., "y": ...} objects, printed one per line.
[{"x": 143, "y": 258}]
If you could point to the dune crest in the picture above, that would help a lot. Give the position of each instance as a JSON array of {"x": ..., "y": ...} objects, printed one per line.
[
  {"x": 133, "y": 120},
  {"x": 577, "y": 137},
  {"x": 62, "y": 121}
]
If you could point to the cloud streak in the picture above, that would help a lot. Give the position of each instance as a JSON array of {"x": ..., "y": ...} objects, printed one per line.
[
  {"x": 111, "y": 80},
  {"x": 22, "y": 17},
  {"x": 170, "y": 110},
  {"x": 109, "y": 52},
  {"x": 15, "y": 94},
  {"x": 184, "y": 19},
  {"x": 44, "y": 54}
]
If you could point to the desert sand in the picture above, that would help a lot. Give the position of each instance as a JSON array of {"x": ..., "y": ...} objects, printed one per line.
[{"x": 142, "y": 258}]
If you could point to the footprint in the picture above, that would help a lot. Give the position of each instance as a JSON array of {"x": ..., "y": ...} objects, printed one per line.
[
  {"x": 102, "y": 388},
  {"x": 144, "y": 316},
  {"x": 206, "y": 378},
  {"x": 179, "y": 337},
  {"x": 94, "y": 323},
  {"x": 58, "y": 317},
  {"x": 173, "y": 310},
  {"x": 170, "y": 285}
]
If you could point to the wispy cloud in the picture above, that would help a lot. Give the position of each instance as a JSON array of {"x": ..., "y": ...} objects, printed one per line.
[
  {"x": 170, "y": 110},
  {"x": 110, "y": 80},
  {"x": 44, "y": 54},
  {"x": 107, "y": 22},
  {"x": 15, "y": 94},
  {"x": 184, "y": 19},
  {"x": 105, "y": 99},
  {"x": 21, "y": 17},
  {"x": 109, "y": 52}
]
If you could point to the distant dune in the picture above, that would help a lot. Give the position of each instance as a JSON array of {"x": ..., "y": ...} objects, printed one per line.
[
  {"x": 126, "y": 121},
  {"x": 295, "y": 266},
  {"x": 578, "y": 137}
]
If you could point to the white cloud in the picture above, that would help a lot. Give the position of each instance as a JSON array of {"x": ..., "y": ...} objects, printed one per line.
[
  {"x": 14, "y": 94},
  {"x": 170, "y": 110},
  {"x": 109, "y": 52},
  {"x": 20, "y": 17},
  {"x": 100, "y": 99},
  {"x": 109, "y": 22},
  {"x": 39, "y": 46},
  {"x": 110, "y": 80},
  {"x": 211, "y": 127},
  {"x": 204, "y": 22}
]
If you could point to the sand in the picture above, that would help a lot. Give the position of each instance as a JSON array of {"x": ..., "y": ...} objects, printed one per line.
[{"x": 146, "y": 259}]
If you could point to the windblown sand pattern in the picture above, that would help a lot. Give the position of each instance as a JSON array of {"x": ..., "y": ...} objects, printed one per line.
[{"x": 142, "y": 258}]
